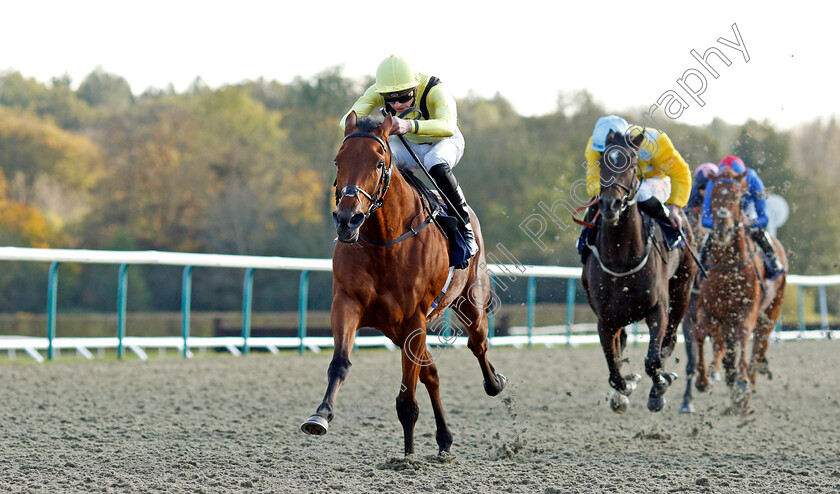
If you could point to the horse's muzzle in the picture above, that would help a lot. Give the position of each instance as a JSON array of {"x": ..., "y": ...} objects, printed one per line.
[{"x": 347, "y": 225}]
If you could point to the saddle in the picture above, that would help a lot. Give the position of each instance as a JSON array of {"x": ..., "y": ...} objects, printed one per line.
[{"x": 449, "y": 225}]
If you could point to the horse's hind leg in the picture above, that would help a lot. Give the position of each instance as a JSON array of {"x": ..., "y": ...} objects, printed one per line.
[
  {"x": 689, "y": 323},
  {"x": 429, "y": 377},
  {"x": 344, "y": 314},
  {"x": 474, "y": 317}
]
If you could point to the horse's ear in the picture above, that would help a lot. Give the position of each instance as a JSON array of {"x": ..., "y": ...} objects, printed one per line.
[
  {"x": 350, "y": 122},
  {"x": 637, "y": 140},
  {"x": 741, "y": 178},
  {"x": 386, "y": 125},
  {"x": 712, "y": 176}
]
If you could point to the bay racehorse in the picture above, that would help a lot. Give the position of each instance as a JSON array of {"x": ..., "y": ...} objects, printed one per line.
[
  {"x": 630, "y": 276},
  {"x": 388, "y": 272},
  {"x": 735, "y": 302},
  {"x": 694, "y": 217}
]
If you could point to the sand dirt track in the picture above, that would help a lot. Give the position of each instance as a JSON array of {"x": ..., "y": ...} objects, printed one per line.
[{"x": 225, "y": 424}]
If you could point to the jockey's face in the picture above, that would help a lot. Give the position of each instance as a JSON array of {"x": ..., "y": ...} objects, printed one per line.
[{"x": 401, "y": 102}]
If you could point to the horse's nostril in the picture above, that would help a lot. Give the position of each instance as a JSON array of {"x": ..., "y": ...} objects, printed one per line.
[{"x": 357, "y": 220}]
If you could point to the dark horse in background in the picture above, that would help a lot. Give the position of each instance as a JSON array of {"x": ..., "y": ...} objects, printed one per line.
[
  {"x": 630, "y": 276},
  {"x": 735, "y": 302},
  {"x": 388, "y": 270},
  {"x": 694, "y": 218}
]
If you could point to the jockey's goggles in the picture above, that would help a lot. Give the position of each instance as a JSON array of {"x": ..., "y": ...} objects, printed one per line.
[{"x": 399, "y": 97}]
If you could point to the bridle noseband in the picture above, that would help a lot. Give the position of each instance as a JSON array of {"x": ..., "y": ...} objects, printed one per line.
[{"x": 378, "y": 197}]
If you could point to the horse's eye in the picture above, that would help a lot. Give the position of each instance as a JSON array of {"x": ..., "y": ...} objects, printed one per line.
[
  {"x": 381, "y": 164},
  {"x": 335, "y": 162}
]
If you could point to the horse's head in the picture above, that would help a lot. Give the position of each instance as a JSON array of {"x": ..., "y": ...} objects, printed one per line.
[
  {"x": 619, "y": 175},
  {"x": 728, "y": 187},
  {"x": 364, "y": 173}
]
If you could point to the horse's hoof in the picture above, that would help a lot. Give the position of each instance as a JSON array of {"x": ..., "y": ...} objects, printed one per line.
[
  {"x": 315, "y": 425},
  {"x": 501, "y": 379},
  {"x": 656, "y": 401},
  {"x": 715, "y": 376},
  {"x": 630, "y": 382},
  {"x": 687, "y": 407},
  {"x": 619, "y": 402}
]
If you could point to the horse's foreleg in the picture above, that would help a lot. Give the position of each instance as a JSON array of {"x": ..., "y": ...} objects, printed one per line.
[
  {"x": 656, "y": 321},
  {"x": 414, "y": 356},
  {"x": 758, "y": 362},
  {"x": 345, "y": 316},
  {"x": 470, "y": 309},
  {"x": 429, "y": 377},
  {"x": 719, "y": 351},
  {"x": 612, "y": 342}
]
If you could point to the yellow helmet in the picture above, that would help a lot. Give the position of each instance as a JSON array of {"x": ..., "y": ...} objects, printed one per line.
[{"x": 395, "y": 74}]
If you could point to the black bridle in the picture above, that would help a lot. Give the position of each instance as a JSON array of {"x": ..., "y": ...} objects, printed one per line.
[{"x": 378, "y": 197}]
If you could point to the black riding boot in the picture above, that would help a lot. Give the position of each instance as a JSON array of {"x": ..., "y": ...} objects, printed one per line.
[
  {"x": 762, "y": 238},
  {"x": 585, "y": 232},
  {"x": 448, "y": 186},
  {"x": 658, "y": 211}
]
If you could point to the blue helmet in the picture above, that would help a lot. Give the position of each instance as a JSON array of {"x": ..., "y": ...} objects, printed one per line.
[{"x": 603, "y": 127}]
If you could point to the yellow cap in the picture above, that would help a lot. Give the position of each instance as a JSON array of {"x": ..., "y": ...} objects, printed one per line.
[{"x": 395, "y": 74}]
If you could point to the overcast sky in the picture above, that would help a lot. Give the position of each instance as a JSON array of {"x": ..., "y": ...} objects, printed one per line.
[{"x": 627, "y": 54}]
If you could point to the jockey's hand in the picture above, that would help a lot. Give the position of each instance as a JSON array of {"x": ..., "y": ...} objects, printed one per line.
[
  {"x": 674, "y": 216},
  {"x": 400, "y": 126}
]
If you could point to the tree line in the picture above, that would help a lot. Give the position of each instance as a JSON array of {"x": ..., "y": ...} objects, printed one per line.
[{"x": 247, "y": 169}]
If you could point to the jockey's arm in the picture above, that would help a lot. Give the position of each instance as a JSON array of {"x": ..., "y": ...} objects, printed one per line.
[
  {"x": 593, "y": 170},
  {"x": 756, "y": 192},
  {"x": 443, "y": 115},
  {"x": 364, "y": 105},
  {"x": 669, "y": 161},
  {"x": 708, "y": 221}
]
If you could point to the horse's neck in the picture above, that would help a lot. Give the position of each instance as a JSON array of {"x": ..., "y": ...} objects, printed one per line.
[
  {"x": 390, "y": 221},
  {"x": 734, "y": 252},
  {"x": 625, "y": 240}
]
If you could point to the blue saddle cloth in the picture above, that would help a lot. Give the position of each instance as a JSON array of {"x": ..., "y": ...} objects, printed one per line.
[{"x": 459, "y": 255}]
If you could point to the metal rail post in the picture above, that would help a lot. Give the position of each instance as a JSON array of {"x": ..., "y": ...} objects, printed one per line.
[
  {"x": 122, "y": 293},
  {"x": 52, "y": 304},
  {"x": 247, "y": 297},
  {"x": 186, "y": 296},
  {"x": 303, "y": 302},
  {"x": 532, "y": 296}
]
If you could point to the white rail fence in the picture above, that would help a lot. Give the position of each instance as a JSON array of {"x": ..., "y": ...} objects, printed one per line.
[{"x": 565, "y": 334}]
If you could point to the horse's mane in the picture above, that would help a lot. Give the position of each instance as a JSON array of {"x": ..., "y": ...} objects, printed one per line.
[{"x": 371, "y": 122}]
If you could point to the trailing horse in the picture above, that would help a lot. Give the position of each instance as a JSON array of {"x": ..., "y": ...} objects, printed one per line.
[
  {"x": 630, "y": 276},
  {"x": 735, "y": 302},
  {"x": 392, "y": 273},
  {"x": 690, "y": 322}
]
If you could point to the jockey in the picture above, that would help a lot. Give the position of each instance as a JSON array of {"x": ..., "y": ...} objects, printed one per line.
[
  {"x": 698, "y": 186},
  {"x": 754, "y": 207},
  {"x": 666, "y": 182},
  {"x": 433, "y": 136}
]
